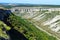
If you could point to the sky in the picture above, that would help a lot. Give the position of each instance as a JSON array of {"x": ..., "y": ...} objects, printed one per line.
[{"x": 51, "y": 2}]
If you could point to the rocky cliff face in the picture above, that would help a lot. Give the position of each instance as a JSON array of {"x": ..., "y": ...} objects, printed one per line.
[{"x": 46, "y": 18}]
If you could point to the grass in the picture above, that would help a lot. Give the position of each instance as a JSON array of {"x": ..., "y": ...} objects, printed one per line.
[{"x": 28, "y": 29}]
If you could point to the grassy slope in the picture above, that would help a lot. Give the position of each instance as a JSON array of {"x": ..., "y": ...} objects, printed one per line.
[
  {"x": 28, "y": 29},
  {"x": 2, "y": 33}
]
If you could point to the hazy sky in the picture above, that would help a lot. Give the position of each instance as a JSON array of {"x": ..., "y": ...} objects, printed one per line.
[{"x": 54, "y": 2}]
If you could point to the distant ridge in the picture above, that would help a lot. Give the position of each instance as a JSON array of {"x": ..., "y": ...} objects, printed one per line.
[{"x": 27, "y": 5}]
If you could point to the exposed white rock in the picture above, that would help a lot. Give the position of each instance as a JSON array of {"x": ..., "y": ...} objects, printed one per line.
[
  {"x": 54, "y": 24},
  {"x": 55, "y": 29},
  {"x": 39, "y": 17},
  {"x": 53, "y": 20}
]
